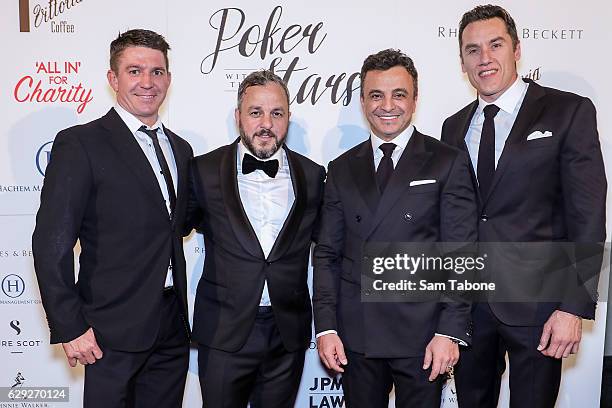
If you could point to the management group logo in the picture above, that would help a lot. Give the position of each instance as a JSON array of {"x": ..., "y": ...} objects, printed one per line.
[
  {"x": 13, "y": 288},
  {"x": 282, "y": 47},
  {"x": 52, "y": 13}
]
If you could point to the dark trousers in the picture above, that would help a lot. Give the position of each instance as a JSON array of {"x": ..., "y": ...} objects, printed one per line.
[
  {"x": 262, "y": 372},
  {"x": 152, "y": 378},
  {"x": 534, "y": 378},
  {"x": 368, "y": 381}
]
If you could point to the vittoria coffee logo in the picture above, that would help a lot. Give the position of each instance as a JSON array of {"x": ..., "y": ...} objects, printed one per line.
[
  {"x": 53, "y": 82},
  {"x": 47, "y": 12},
  {"x": 275, "y": 44}
]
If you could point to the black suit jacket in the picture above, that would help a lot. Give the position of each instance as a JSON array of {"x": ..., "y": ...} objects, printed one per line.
[
  {"x": 100, "y": 189},
  {"x": 235, "y": 267},
  {"x": 547, "y": 189},
  {"x": 355, "y": 213}
]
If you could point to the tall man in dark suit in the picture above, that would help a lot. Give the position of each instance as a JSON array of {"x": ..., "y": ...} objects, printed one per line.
[
  {"x": 397, "y": 186},
  {"x": 119, "y": 185},
  {"x": 257, "y": 204},
  {"x": 538, "y": 170}
]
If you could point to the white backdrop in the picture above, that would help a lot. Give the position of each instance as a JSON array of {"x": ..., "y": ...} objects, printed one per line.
[{"x": 319, "y": 47}]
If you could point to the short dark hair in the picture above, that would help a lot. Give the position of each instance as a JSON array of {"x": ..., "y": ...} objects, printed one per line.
[
  {"x": 260, "y": 78},
  {"x": 137, "y": 38},
  {"x": 487, "y": 12},
  {"x": 387, "y": 59}
]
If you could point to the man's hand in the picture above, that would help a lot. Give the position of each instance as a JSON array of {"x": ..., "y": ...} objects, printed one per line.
[
  {"x": 561, "y": 335},
  {"x": 83, "y": 349},
  {"x": 331, "y": 352},
  {"x": 443, "y": 352}
]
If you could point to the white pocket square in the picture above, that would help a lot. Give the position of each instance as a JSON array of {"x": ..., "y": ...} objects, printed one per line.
[
  {"x": 539, "y": 135},
  {"x": 421, "y": 182}
]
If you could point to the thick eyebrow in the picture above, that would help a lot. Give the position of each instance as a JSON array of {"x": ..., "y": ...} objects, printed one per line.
[
  {"x": 393, "y": 91},
  {"x": 258, "y": 107},
  {"x": 160, "y": 68},
  {"x": 474, "y": 45}
]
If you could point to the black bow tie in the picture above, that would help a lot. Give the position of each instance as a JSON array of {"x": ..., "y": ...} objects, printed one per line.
[{"x": 250, "y": 164}]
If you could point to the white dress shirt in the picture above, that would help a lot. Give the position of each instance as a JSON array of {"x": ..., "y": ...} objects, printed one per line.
[
  {"x": 146, "y": 144},
  {"x": 400, "y": 141},
  {"x": 266, "y": 202},
  {"x": 509, "y": 103}
]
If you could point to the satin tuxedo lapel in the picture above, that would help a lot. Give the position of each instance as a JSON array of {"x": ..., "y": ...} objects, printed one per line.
[
  {"x": 228, "y": 180},
  {"x": 362, "y": 167},
  {"x": 292, "y": 222},
  {"x": 411, "y": 161},
  {"x": 129, "y": 151},
  {"x": 529, "y": 111}
]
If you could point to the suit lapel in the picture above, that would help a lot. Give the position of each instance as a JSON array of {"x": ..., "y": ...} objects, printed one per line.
[
  {"x": 182, "y": 163},
  {"x": 362, "y": 168},
  {"x": 228, "y": 180},
  {"x": 529, "y": 111},
  {"x": 464, "y": 126},
  {"x": 127, "y": 148},
  {"x": 411, "y": 161},
  {"x": 293, "y": 220}
]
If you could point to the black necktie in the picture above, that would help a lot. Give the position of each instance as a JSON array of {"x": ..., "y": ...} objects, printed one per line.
[
  {"x": 486, "y": 150},
  {"x": 163, "y": 164},
  {"x": 385, "y": 167},
  {"x": 250, "y": 164}
]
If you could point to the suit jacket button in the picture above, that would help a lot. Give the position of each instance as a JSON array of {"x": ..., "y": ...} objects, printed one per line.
[
  {"x": 268, "y": 263},
  {"x": 367, "y": 292},
  {"x": 366, "y": 259},
  {"x": 358, "y": 218},
  {"x": 408, "y": 217},
  {"x": 484, "y": 218}
]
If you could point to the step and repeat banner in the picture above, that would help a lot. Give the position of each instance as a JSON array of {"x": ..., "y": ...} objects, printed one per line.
[{"x": 54, "y": 76}]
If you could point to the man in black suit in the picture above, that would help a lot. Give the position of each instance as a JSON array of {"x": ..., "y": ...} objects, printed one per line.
[
  {"x": 257, "y": 204},
  {"x": 539, "y": 174},
  {"x": 119, "y": 185},
  {"x": 397, "y": 186}
]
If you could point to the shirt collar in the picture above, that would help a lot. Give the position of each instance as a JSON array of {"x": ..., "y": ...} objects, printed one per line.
[
  {"x": 133, "y": 123},
  {"x": 509, "y": 99},
  {"x": 401, "y": 140},
  {"x": 278, "y": 155}
]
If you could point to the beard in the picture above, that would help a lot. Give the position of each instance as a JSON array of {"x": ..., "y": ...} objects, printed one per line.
[{"x": 261, "y": 153}]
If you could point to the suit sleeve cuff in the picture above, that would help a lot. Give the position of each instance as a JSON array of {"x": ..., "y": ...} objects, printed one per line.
[
  {"x": 323, "y": 333},
  {"x": 454, "y": 339}
]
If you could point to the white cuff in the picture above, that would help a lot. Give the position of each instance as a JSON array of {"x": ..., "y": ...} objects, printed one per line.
[
  {"x": 454, "y": 339},
  {"x": 323, "y": 333}
]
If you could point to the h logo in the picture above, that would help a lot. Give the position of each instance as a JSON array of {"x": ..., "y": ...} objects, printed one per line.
[
  {"x": 13, "y": 286},
  {"x": 24, "y": 16}
]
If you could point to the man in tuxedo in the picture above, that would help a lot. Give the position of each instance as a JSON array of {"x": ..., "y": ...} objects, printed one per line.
[
  {"x": 257, "y": 204},
  {"x": 538, "y": 171},
  {"x": 119, "y": 185},
  {"x": 397, "y": 186}
]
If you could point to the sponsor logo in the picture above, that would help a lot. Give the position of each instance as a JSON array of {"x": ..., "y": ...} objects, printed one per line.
[
  {"x": 53, "y": 82},
  {"x": 274, "y": 44},
  {"x": 326, "y": 392},
  {"x": 43, "y": 156},
  {"x": 18, "y": 381},
  {"x": 47, "y": 13},
  {"x": 527, "y": 33},
  {"x": 13, "y": 286},
  {"x": 18, "y": 344},
  {"x": 534, "y": 74}
]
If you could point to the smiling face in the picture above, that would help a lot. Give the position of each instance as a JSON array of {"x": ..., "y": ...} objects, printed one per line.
[
  {"x": 263, "y": 119},
  {"x": 488, "y": 57},
  {"x": 388, "y": 101},
  {"x": 141, "y": 82}
]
